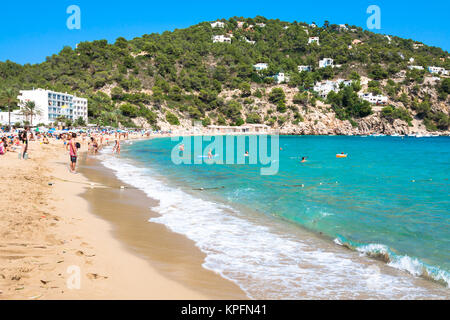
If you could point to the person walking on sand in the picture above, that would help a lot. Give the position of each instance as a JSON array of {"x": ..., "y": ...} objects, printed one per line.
[
  {"x": 24, "y": 139},
  {"x": 73, "y": 152}
]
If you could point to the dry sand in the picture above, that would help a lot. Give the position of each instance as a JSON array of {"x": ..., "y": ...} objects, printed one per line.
[{"x": 47, "y": 233}]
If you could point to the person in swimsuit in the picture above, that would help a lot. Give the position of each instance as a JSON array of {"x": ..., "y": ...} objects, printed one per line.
[
  {"x": 210, "y": 154},
  {"x": 2, "y": 146},
  {"x": 303, "y": 159},
  {"x": 94, "y": 145},
  {"x": 24, "y": 139},
  {"x": 116, "y": 148},
  {"x": 73, "y": 152}
]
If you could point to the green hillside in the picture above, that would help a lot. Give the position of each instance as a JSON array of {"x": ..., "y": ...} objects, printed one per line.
[{"x": 183, "y": 75}]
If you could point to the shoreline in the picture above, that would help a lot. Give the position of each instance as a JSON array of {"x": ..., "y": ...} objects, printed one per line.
[
  {"x": 48, "y": 231},
  {"x": 366, "y": 261},
  {"x": 171, "y": 254},
  {"x": 107, "y": 233}
]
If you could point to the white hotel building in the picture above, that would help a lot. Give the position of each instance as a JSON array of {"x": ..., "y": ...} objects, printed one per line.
[{"x": 51, "y": 105}]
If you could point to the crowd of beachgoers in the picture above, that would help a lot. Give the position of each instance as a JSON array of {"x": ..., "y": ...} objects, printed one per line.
[{"x": 92, "y": 140}]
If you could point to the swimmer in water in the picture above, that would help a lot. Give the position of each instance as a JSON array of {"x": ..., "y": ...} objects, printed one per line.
[
  {"x": 246, "y": 153},
  {"x": 303, "y": 159},
  {"x": 182, "y": 147},
  {"x": 210, "y": 154}
]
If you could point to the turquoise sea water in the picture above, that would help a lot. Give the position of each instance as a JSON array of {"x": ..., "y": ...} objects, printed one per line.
[{"x": 389, "y": 200}]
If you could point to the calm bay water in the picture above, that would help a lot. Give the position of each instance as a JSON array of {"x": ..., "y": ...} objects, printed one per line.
[{"x": 388, "y": 200}]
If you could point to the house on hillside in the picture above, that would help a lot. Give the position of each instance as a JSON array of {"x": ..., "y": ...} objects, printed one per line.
[
  {"x": 356, "y": 41},
  {"x": 221, "y": 39},
  {"x": 343, "y": 27},
  {"x": 326, "y": 62},
  {"x": 304, "y": 68},
  {"x": 281, "y": 78},
  {"x": 313, "y": 40},
  {"x": 325, "y": 87},
  {"x": 260, "y": 66},
  {"x": 415, "y": 67},
  {"x": 218, "y": 24},
  {"x": 261, "y": 25},
  {"x": 438, "y": 70},
  {"x": 249, "y": 41},
  {"x": 373, "y": 99}
]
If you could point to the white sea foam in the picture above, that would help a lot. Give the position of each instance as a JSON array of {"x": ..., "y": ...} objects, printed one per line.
[
  {"x": 264, "y": 263},
  {"x": 402, "y": 262}
]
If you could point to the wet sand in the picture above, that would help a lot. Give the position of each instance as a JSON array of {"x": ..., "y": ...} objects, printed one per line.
[{"x": 173, "y": 255}]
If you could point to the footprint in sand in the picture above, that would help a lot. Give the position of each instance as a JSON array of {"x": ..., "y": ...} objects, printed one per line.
[{"x": 95, "y": 276}]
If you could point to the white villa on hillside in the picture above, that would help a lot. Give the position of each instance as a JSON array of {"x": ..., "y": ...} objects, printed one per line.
[
  {"x": 378, "y": 99},
  {"x": 49, "y": 106},
  {"x": 261, "y": 25},
  {"x": 313, "y": 25},
  {"x": 249, "y": 41},
  {"x": 313, "y": 40},
  {"x": 218, "y": 24},
  {"x": 260, "y": 66},
  {"x": 343, "y": 27},
  {"x": 415, "y": 67},
  {"x": 281, "y": 77},
  {"x": 221, "y": 39},
  {"x": 304, "y": 68},
  {"x": 438, "y": 70},
  {"x": 325, "y": 87},
  {"x": 326, "y": 62}
]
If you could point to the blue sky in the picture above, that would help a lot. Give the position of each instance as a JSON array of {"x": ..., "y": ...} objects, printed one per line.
[{"x": 32, "y": 30}]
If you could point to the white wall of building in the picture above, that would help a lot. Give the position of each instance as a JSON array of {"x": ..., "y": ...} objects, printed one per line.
[
  {"x": 326, "y": 62},
  {"x": 52, "y": 105}
]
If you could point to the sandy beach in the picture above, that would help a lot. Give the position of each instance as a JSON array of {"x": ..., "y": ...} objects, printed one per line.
[{"x": 48, "y": 232}]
